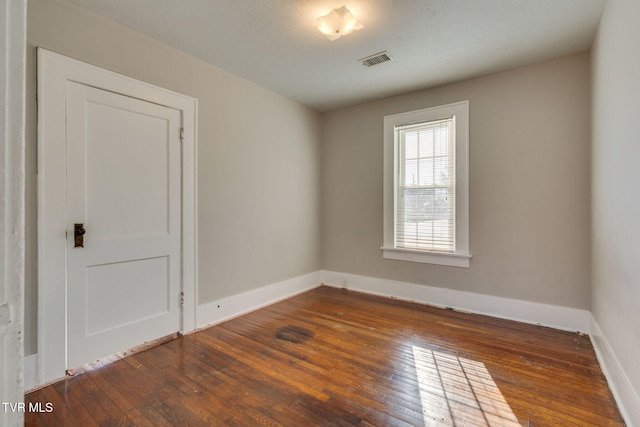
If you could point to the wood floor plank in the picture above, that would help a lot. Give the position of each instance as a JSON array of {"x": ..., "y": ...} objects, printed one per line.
[
  {"x": 173, "y": 375},
  {"x": 32, "y": 418},
  {"x": 334, "y": 357},
  {"x": 361, "y": 383},
  {"x": 78, "y": 410},
  {"x": 97, "y": 402},
  {"x": 259, "y": 390},
  {"x": 124, "y": 406},
  {"x": 163, "y": 379}
]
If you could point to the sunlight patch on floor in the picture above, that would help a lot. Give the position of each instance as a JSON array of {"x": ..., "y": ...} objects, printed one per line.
[{"x": 455, "y": 391}]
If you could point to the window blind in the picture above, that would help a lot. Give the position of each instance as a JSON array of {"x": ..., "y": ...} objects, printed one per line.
[{"x": 425, "y": 186}]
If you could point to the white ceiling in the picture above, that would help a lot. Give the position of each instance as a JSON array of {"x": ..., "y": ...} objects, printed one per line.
[{"x": 275, "y": 44}]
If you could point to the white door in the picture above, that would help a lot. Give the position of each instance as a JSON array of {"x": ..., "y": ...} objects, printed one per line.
[{"x": 124, "y": 189}]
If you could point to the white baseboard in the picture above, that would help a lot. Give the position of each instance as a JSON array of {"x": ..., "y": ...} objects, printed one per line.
[
  {"x": 558, "y": 317},
  {"x": 223, "y": 309},
  {"x": 627, "y": 398},
  {"x": 31, "y": 374},
  {"x": 564, "y": 318}
]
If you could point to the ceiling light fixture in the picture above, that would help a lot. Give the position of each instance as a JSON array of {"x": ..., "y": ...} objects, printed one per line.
[{"x": 337, "y": 23}]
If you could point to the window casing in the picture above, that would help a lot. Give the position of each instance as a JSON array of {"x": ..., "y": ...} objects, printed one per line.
[{"x": 426, "y": 189}]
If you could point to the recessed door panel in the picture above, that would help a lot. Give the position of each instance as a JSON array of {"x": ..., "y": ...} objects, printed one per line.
[
  {"x": 123, "y": 192},
  {"x": 127, "y": 171},
  {"x": 124, "y": 292}
]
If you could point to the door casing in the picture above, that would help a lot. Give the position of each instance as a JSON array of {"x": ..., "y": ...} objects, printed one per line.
[{"x": 54, "y": 71}]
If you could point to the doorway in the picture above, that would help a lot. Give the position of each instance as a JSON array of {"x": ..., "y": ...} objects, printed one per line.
[{"x": 116, "y": 213}]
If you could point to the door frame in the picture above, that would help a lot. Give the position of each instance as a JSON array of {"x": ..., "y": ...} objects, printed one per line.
[{"x": 54, "y": 71}]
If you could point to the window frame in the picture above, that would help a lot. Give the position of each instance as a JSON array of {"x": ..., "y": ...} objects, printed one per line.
[{"x": 460, "y": 257}]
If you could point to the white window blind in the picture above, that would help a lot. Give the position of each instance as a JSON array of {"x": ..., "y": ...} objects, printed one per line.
[
  {"x": 425, "y": 217},
  {"x": 426, "y": 186}
]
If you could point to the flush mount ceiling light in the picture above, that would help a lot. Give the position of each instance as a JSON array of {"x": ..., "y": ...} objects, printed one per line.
[{"x": 337, "y": 23}]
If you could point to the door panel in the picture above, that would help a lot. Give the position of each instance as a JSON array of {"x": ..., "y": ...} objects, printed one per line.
[
  {"x": 143, "y": 281},
  {"x": 121, "y": 172},
  {"x": 123, "y": 185}
]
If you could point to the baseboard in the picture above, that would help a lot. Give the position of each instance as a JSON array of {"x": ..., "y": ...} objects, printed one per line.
[
  {"x": 212, "y": 313},
  {"x": 31, "y": 374},
  {"x": 627, "y": 398},
  {"x": 223, "y": 309},
  {"x": 558, "y": 317}
]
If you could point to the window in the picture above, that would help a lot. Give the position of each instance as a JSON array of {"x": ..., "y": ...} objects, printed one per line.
[{"x": 426, "y": 185}]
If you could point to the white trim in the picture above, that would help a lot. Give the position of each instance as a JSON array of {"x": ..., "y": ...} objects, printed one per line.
[
  {"x": 31, "y": 372},
  {"x": 227, "y": 308},
  {"x": 53, "y": 71},
  {"x": 626, "y": 397},
  {"x": 462, "y": 250},
  {"x": 558, "y": 317},
  {"x": 189, "y": 212},
  {"x": 452, "y": 260}
]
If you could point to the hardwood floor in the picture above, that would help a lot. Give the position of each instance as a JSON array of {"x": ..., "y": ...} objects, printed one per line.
[{"x": 333, "y": 357}]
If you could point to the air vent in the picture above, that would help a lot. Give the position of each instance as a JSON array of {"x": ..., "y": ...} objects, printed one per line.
[{"x": 375, "y": 59}]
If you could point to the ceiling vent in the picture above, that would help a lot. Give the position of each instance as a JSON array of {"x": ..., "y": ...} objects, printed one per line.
[{"x": 376, "y": 59}]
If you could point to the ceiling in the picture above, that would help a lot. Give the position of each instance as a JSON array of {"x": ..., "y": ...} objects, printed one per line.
[{"x": 275, "y": 44}]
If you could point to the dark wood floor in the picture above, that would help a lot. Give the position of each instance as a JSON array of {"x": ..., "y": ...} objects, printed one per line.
[{"x": 333, "y": 357}]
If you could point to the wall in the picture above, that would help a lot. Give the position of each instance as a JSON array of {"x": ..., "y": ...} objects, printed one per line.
[
  {"x": 12, "y": 179},
  {"x": 529, "y": 185},
  {"x": 258, "y": 178},
  {"x": 616, "y": 198}
]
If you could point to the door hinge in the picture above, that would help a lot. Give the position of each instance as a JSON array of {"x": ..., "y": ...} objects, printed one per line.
[
  {"x": 181, "y": 134},
  {"x": 181, "y": 299}
]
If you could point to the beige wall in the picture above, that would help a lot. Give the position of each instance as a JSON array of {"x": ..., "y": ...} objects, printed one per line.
[
  {"x": 259, "y": 176},
  {"x": 529, "y": 185},
  {"x": 616, "y": 196}
]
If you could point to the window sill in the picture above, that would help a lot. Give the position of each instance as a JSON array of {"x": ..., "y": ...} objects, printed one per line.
[{"x": 452, "y": 260}]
